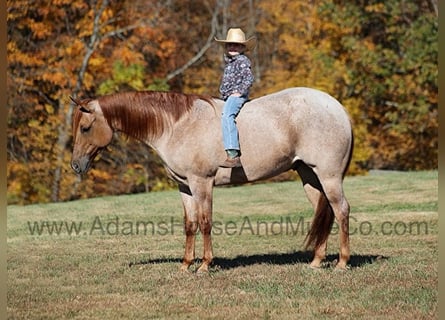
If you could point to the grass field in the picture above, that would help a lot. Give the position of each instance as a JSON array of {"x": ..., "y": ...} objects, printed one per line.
[{"x": 119, "y": 257}]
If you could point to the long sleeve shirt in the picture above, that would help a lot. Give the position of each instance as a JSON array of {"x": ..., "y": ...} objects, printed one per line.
[{"x": 237, "y": 77}]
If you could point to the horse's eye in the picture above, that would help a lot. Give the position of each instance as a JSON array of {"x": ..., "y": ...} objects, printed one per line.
[{"x": 85, "y": 129}]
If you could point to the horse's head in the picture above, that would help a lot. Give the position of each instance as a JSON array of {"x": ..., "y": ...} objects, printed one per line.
[{"x": 91, "y": 133}]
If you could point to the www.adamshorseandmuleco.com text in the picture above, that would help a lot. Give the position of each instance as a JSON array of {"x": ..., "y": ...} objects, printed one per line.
[{"x": 279, "y": 226}]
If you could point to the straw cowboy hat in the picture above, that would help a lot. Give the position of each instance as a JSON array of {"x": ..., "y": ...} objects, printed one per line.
[{"x": 236, "y": 35}]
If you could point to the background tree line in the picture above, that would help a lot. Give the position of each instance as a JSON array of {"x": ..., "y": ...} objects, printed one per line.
[{"x": 379, "y": 58}]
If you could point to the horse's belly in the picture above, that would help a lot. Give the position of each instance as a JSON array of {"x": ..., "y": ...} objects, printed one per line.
[{"x": 252, "y": 170}]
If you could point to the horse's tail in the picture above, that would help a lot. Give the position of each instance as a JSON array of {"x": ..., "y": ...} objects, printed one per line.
[
  {"x": 321, "y": 225},
  {"x": 351, "y": 149}
]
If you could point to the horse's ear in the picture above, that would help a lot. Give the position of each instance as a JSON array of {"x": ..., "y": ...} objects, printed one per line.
[
  {"x": 80, "y": 105},
  {"x": 76, "y": 102},
  {"x": 84, "y": 109}
]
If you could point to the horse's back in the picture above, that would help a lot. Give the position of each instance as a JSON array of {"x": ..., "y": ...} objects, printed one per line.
[
  {"x": 303, "y": 109},
  {"x": 300, "y": 100},
  {"x": 296, "y": 124}
]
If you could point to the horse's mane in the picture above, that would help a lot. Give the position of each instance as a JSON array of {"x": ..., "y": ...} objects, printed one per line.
[{"x": 145, "y": 114}]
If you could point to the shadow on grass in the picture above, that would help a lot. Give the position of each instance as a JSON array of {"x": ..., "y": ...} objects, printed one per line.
[{"x": 303, "y": 257}]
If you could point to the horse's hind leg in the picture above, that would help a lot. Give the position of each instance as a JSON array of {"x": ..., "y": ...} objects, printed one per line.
[
  {"x": 323, "y": 220},
  {"x": 333, "y": 188},
  {"x": 322, "y": 224}
]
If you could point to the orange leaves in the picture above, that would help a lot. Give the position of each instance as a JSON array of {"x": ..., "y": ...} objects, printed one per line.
[
  {"x": 125, "y": 54},
  {"x": 166, "y": 48},
  {"x": 15, "y": 55},
  {"x": 62, "y": 2},
  {"x": 107, "y": 15},
  {"x": 100, "y": 175},
  {"x": 74, "y": 47},
  {"x": 366, "y": 56},
  {"x": 40, "y": 30},
  {"x": 55, "y": 77}
]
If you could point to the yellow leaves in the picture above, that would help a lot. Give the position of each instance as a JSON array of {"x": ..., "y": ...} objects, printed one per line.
[
  {"x": 85, "y": 26},
  {"x": 135, "y": 173},
  {"x": 166, "y": 48},
  {"x": 100, "y": 174},
  {"x": 61, "y": 2},
  {"x": 33, "y": 123},
  {"x": 290, "y": 42},
  {"x": 376, "y": 8},
  {"x": 55, "y": 77},
  {"x": 368, "y": 44},
  {"x": 15, "y": 55},
  {"x": 24, "y": 185},
  {"x": 17, "y": 175},
  {"x": 88, "y": 81},
  {"x": 107, "y": 14},
  {"x": 74, "y": 48},
  {"x": 97, "y": 61},
  {"x": 49, "y": 109},
  {"x": 128, "y": 56},
  {"x": 46, "y": 107}
]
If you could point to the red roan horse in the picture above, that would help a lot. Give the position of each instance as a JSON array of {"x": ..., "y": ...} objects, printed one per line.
[{"x": 299, "y": 128}]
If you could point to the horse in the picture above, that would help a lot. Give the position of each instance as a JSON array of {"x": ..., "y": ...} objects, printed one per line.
[{"x": 301, "y": 129}]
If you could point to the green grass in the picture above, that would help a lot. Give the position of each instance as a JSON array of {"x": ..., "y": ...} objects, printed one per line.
[{"x": 260, "y": 269}]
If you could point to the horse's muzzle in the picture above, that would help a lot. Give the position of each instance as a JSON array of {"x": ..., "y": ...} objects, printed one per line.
[
  {"x": 80, "y": 166},
  {"x": 76, "y": 167}
]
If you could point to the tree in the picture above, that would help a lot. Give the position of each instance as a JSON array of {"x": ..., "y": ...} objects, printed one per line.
[
  {"x": 76, "y": 48},
  {"x": 379, "y": 58},
  {"x": 70, "y": 44},
  {"x": 390, "y": 52}
]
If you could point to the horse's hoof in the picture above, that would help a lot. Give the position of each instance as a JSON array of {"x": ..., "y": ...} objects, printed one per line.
[
  {"x": 340, "y": 268},
  {"x": 202, "y": 270},
  {"x": 314, "y": 268},
  {"x": 315, "y": 265},
  {"x": 184, "y": 268}
]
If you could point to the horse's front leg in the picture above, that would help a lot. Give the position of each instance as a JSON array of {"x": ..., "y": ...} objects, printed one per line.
[
  {"x": 205, "y": 226},
  {"x": 190, "y": 226},
  {"x": 202, "y": 191},
  {"x": 197, "y": 202}
]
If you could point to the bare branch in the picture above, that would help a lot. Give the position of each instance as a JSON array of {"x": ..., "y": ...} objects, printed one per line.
[
  {"x": 119, "y": 32},
  {"x": 202, "y": 51},
  {"x": 91, "y": 45}
]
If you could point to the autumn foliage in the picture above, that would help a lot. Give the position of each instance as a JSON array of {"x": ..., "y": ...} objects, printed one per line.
[{"x": 379, "y": 58}]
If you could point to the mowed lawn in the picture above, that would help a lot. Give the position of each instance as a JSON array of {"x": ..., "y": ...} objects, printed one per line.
[{"x": 119, "y": 257}]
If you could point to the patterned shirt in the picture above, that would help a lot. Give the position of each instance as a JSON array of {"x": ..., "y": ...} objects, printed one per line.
[{"x": 237, "y": 77}]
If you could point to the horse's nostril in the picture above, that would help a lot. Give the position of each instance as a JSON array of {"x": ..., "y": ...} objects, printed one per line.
[{"x": 75, "y": 166}]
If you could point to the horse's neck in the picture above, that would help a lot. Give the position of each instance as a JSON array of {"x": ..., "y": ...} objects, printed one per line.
[
  {"x": 136, "y": 122},
  {"x": 155, "y": 120}
]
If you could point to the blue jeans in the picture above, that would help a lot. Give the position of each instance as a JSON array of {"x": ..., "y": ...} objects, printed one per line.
[{"x": 231, "y": 109}]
